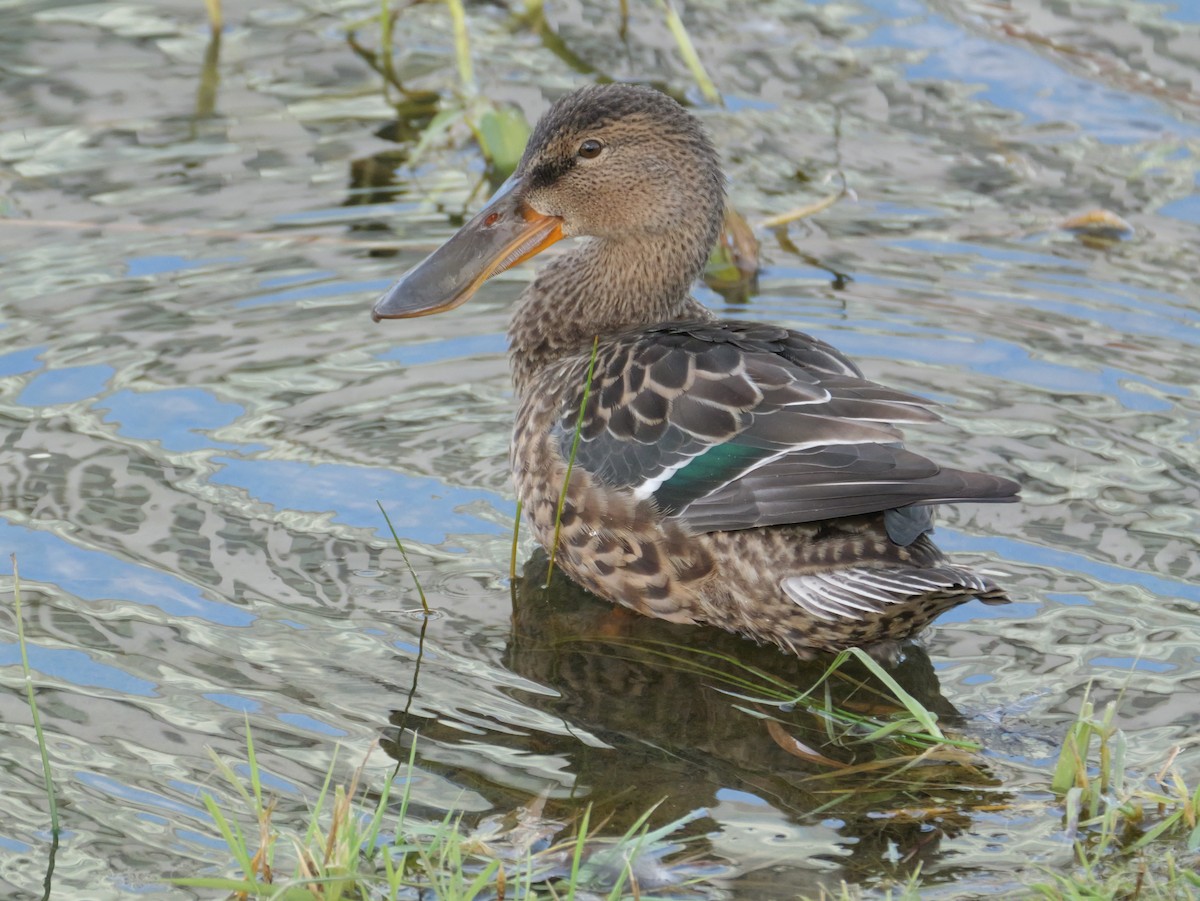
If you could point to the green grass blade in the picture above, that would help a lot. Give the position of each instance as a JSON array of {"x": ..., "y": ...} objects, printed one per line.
[
  {"x": 404, "y": 798},
  {"x": 255, "y": 775},
  {"x": 231, "y": 777},
  {"x": 311, "y": 834},
  {"x": 1071, "y": 768},
  {"x": 481, "y": 881},
  {"x": 577, "y": 854},
  {"x": 371, "y": 837},
  {"x": 919, "y": 711},
  {"x": 412, "y": 572},
  {"x": 51, "y": 798},
  {"x": 232, "y": 834},
  {"x": 1158, "y": 829}
]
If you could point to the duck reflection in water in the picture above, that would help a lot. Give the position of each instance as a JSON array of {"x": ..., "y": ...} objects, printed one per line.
[{"x": 649, "y": 718}]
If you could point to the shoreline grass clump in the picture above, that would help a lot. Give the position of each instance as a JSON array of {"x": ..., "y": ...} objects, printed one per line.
[
  {"x": 348, "y": 850},
  {"x": 1131, "y": 837}
]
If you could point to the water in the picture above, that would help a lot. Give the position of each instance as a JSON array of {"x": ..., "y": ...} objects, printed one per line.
[{"x": 197, "y": 418}]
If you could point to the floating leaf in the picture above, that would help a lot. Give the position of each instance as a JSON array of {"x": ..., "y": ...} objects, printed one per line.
[
  {"x": 797, "y": 748},
  {"x": 502, "y": 133},
  {"x": 1100, "y": 224},
  {"x": 733, "y": 264}
]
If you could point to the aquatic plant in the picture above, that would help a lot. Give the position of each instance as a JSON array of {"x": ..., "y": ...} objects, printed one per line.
[
  {"x": 1127, "y": 832},
  {"x": 352, "y": 851}
]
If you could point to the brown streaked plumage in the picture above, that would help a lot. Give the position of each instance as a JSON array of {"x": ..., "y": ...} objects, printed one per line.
[{"x": 732, "y": 473}]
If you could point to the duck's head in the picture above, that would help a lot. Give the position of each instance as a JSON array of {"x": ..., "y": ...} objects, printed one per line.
[{"x": 621, "y": 163}]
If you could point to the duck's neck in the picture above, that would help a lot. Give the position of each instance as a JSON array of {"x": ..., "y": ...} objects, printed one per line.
[{"x": 601, "y": 288}]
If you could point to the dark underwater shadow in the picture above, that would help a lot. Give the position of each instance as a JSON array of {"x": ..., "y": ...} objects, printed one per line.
[{"x": 651, "y": 720}]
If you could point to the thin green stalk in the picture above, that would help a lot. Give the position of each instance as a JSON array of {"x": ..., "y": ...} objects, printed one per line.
[
  {"x": 562, "y": 495},
  {"x": 462, "y": 46},
  {"x": 33, "y": 709},
  {"x": 688, "y": 51},
  {"x": 577, "y": 855},
  {"x": 406, "y": 797},
  {"x": 412, "y": 689},
  {"x": 512, "y": 562},
  {"x": 216, "y": 21},
  {"x": 255, "y": 775},
  {"x": 313, "y": 832},
  {"x": 407, "y": 562},
  {"x": 387, "y": 28},
  {"x": 234, "y": 840},
  {"x": 630, "y": 847}
]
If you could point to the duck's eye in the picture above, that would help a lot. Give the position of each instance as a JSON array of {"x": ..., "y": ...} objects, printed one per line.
[{"x": 590, "y": 149}]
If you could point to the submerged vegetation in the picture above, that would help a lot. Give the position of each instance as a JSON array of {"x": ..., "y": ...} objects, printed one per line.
[{"x": 500, "y": 132}]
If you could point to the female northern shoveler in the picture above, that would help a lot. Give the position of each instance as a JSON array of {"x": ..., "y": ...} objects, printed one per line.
[{"x": 731, "y": 473}]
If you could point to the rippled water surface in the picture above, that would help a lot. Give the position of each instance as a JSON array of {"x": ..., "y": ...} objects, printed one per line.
[{"x": 197, "y": 418}]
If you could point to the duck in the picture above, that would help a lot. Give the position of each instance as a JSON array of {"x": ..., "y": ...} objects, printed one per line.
[{"x": 687, "y": 467}]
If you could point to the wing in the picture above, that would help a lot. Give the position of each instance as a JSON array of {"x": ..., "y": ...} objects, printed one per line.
[{"x": 733, "y": 425}]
